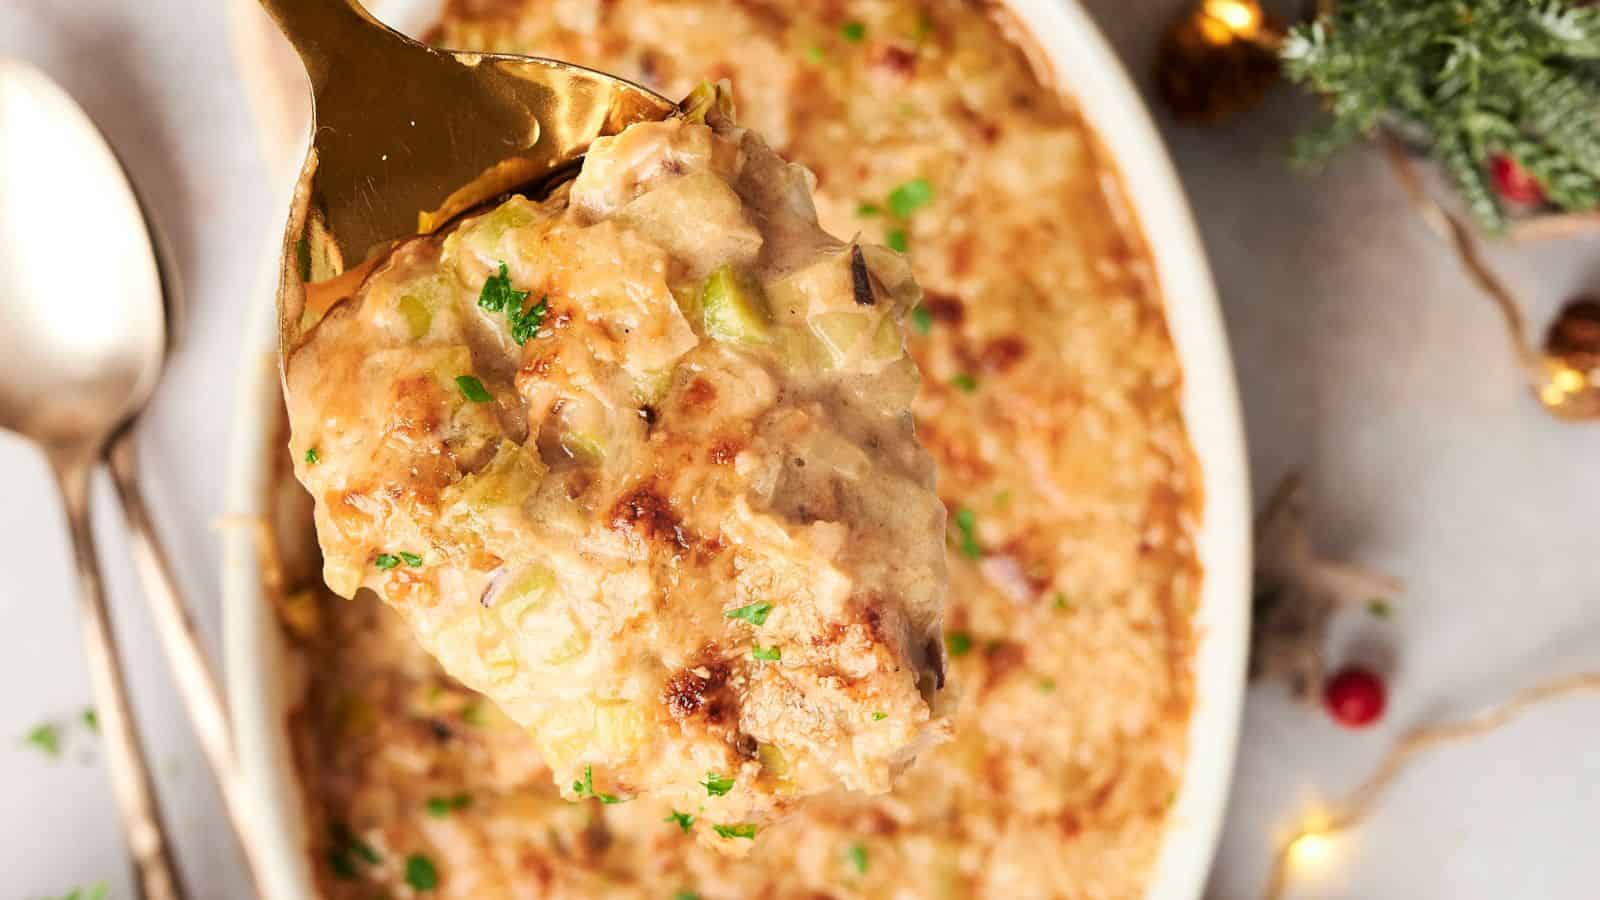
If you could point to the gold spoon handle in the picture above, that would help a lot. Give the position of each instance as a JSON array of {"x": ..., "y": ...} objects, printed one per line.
[
  {"x": 318, "y": 28},
  {"x": 156, "y": 875},
  {"x": 197, "y": 683}
]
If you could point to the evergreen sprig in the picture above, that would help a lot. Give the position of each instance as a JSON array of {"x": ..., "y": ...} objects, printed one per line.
[{"x": 1470, "y": 79}]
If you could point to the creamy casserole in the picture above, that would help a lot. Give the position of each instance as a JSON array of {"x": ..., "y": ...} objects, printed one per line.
[
  {"x": 1050, "y": 404},
  {"x": 637, "y": 462}
]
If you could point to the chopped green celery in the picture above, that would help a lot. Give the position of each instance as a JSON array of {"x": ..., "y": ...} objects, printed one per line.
[
  {"x": 735, "y": 308},
  {"x": 841, "y": 332},
  {"x": 512, "y": 475},
  {"x": 417, "y": 313},
  {"x": 887, "y": 344},
  {"x": 801, "y": 351},
  {"x": 773, "y": 760},
  {"x": 483, "y": 234},
  {"x": 652, "y": 386},
  {"x": 702, "y": 99},
  {"x": 525, "y": 595},
  {"x": 688, "y": 297},
  {"x": 583, "y": 446}
]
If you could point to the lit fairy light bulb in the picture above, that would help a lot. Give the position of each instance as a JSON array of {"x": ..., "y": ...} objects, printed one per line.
[
  {"x": 1570, "y": 365},
  {"x": 1218, "y": 58},
  {"x": 1240, "y": 18}
]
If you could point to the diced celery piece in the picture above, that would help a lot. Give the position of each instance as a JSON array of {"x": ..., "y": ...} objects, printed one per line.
[
  {"x": 417, "y": 313},
  {"x": 773, "y": 761},
  {"x": 887, "y": 343},
  {"x": 483, "y": 235},
  {"x": 584, "y": 447},
  {"x": 706, "y": 96},
  {"x": 734, "y": 308},
  {"x": 841, "y": 332},
  {"x": 511, "y": 476}
]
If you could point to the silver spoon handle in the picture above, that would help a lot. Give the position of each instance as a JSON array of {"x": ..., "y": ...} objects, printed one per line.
[
  {"x": 180, "y": 642},
  {"x": 156, "y": 875}
]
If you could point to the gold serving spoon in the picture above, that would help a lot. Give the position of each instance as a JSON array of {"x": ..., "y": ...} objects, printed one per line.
[{"x": 407, "y": 137}]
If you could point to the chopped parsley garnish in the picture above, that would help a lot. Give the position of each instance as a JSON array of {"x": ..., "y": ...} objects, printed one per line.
[
  {"x": 879, "y": 716},
  {"x": 420, "y": 873},
  {"x": 1380, "y": 609},
  {"x": 857, "y": 856},
  {"x": 748, "y": 832},
  {"x": 686, "y": 895},
  {"x": 921, "y": 319},
  {"x": 312, "y": 457},
  {"x": 585, "y": 789},
  {"x": 386, "y": 561},
  {"x": 46, "y": 738},
  {"x": 91, "y": 719},
  {"x": 439, "y": 807},
  {"x": 716, "y": 785},
  {"x": 910, "y": 197},
  {"x": 1047, "y": 684},
  {"x": 959, "y": 643},
  {"x": 816, "y": 54},
  {"x": 854, "y": 32},
  {"x": 345, "y": 850},
  {"x": 868, "y": 210},
  {"x": 770, "y": 654},
  {"x": 497, "y": 294},
  {"x": 964, "y": 383},
  {"x": 1061, "y": 601},
  {"x": 967, "y": 533},
  {"x": 684, "y": 820},
  {"x": 411, "y": 559},
  {"x": 473, "y": 389},
  {"x": 754, "y": 613},
  {"x": 897, "y": 241},
  {"x": 525, "y": 325}
]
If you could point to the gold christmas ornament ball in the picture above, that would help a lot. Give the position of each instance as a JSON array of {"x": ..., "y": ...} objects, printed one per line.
[
  {"x": 1218, "y": 60},
  {"x": 1571, "y": 362}
]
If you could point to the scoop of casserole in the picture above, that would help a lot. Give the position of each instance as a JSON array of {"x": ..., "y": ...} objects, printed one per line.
[{"x": 637, "y": 462}]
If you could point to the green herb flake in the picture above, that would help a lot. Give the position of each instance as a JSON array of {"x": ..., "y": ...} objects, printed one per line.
[
  {"x": 46, "y": 738},
  {"x": 386, "y": 561},
  {"x": 91, "y": 719},
  {"x": 748, "y": 832},
  {"x": 1380, "y": 609},
  {"x": 966, "y": 522},
  {"x": 413, "y": 560},
  {"x": 439, "y": 807},
  {"x": 754, "y": 613},
  {"x": 854, "y": 32},
  {"x": 1060, "y": 601},
  {"x": 525, "y": 325},
  {"x": 857, "y": 856},
  {"x": 964, "y": 383},
  {"x": 497, "y": 294},
  {"x": 585, "y": 789},
  {"x": 879, "y": 716},
  {"x": 1047, "y": 685},
  {"x": 686, "y": 895},
  {"x": 921, "y": 319},
  {"x": 345, "y": 850},
  {"x": 684, "y": 821},
  {"x": 770, "y": 654},
  {"x": 716, "y": 785},
  {"x": 897, "y": 240},
  {"x": 473, "y": 389},
  {"x": 312, "y": 457},
  {"x": 910, "y": 197},
  {"x": 816, "y": 54},
  {"x": 420, "y": 873},
  {"x": 959, "y": 643},
  {"x": 868, "y": 210}
]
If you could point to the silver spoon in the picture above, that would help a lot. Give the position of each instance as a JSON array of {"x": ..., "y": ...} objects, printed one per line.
[{"x": 78, "y": 367}]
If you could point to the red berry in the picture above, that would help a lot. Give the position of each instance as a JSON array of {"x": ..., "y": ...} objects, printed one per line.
[
  {"x": 1354, "y": 697},
  {"x": 1513, "y": 182}
]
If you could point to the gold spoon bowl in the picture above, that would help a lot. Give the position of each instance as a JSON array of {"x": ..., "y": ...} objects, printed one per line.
[{"x": 407, "y": 137}]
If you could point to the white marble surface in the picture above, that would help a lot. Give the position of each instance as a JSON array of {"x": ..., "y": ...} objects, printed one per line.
[{"x": 1364, "y": 356}]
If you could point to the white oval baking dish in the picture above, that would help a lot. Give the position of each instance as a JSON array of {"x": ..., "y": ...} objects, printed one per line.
[{"x": 1086, "y": 68}]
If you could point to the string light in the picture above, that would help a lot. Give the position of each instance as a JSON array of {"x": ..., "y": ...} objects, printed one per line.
[
  {"x": 1312, "y": 845},
  {"x": 1238, "y": 19}
]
